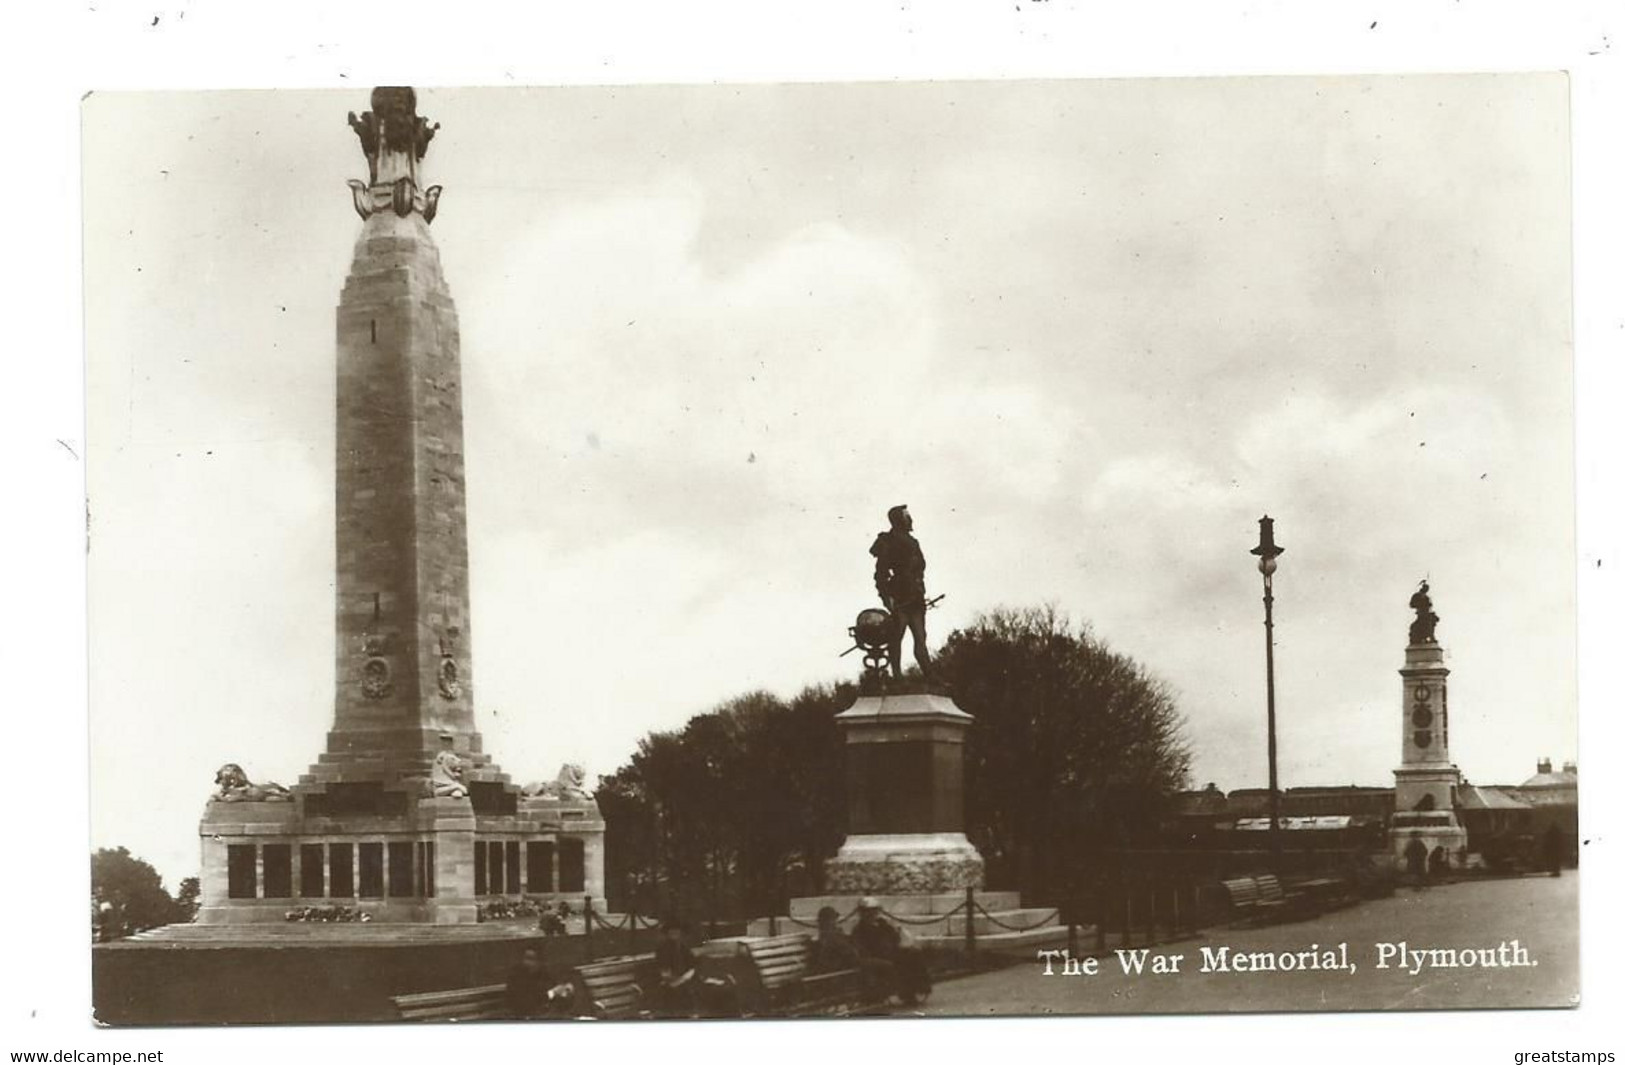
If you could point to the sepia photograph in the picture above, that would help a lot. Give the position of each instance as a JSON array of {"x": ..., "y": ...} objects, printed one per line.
[{"x": 831, "y": 549}]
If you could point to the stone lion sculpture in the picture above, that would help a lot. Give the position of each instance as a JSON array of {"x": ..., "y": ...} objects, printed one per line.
[
  {"x": 569, "y": 784},
  {"x": 446, "y": 777},
  {"x": 234, "y": 786}
]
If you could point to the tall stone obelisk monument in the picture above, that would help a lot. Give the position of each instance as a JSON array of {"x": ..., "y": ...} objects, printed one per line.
[
  {"x": 404, "y": 816},
  {"x": 404, "y": 676}
]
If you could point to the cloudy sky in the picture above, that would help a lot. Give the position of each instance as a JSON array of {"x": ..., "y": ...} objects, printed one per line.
[{"x": 1089, "y": 331}]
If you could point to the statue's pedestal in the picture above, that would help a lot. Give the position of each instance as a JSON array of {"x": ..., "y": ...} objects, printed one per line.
[
  {"x": 906, "y": 847},
  {"x": 905, "y": 785},
  {"x": 1423, "y": 831},
  {"x": 909, "y": 864}
]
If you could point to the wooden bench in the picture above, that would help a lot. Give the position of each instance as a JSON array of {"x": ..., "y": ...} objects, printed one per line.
[
  {"x": 1248, "y": 900},
  {"x": 789, "y": 987},
  {"x": 486, "y": 1003},
  {"x": 612, "y": 989},
  {"x": 1269, "y": 889},
  {"x": 1291, "y": 900},
  {"x": 1324, "y": 893},
  {"x": 607, "y": 989}
]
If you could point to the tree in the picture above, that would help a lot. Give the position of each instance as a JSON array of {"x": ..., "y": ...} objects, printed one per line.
[
  {"x": 1076, "y": 750},
  {"x": 131, "y": 891},
  {"x": 721, "y": 817},
  {"x": 187, "y": 899}
]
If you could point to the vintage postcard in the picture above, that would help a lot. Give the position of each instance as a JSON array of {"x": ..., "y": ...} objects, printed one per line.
[{"x": 831, "y": 550}]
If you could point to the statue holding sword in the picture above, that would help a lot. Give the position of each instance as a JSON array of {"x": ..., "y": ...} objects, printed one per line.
[{"x": 900, "y": 580}]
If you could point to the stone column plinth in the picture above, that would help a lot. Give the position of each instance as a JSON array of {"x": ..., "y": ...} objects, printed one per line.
[
  {"x": 905, "y": 783},
  {"x": 1424, "y": 821},
  {"x": 450, "y": 823},
  {"x": 593, "y": 860}
]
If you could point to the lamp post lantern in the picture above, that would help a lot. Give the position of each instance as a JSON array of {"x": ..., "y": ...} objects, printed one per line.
[{"x": 1267, "y": 552}]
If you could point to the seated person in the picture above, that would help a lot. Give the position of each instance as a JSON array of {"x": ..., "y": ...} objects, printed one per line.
[
  {"x": 532, "y": 993},
  {"x": 832, "y": 951},
  {"x": 676, "y": 993},
  {"x": 877, "y": 938}
]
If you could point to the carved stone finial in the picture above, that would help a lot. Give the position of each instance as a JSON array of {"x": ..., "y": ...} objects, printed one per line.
[{"x": 394, "y": 138}]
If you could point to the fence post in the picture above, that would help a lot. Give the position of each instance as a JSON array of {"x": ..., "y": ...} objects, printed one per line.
[
  {"x": 1151, "y": 917},
  {"x": 1103, "y": 911},
  {"x": 1128, "y": 918},
  {"x": 1175, "y": 921},
  {"x": 586, "y": 909},
  {"x": 970, "y": 919}
]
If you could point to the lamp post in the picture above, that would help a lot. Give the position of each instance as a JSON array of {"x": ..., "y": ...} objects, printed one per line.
[{"x": 1267, "y": 552}]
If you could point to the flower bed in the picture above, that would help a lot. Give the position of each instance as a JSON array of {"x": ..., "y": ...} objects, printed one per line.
[
  {"x": 503, "y": 909},
  {"x": 328, "y": 915}
]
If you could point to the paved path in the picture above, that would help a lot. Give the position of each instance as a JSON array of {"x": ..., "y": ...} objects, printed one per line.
[{"x": 1541, "y": 913}]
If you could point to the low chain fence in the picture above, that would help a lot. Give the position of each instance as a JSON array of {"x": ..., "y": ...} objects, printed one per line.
[{"x": 1135, "y": 899}]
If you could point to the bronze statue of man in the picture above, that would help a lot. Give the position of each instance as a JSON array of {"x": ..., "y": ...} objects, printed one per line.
[
  {"x": 1426, "y": 621},
  {"x": 900, "y": 580}
]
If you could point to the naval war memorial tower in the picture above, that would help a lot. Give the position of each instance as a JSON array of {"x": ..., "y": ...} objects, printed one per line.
[{"x": 404, "y": 817}]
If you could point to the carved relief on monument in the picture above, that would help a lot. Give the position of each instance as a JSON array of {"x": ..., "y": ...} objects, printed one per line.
[
  {"x": 450, "y": 686},
  {"x": 913, "y": 875},
  {"x": 376, "y": 682},
  {"x": 447, "y": 676},
  {"x": 1421, "y": 712}
]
